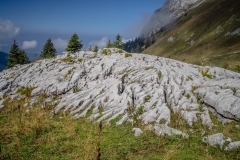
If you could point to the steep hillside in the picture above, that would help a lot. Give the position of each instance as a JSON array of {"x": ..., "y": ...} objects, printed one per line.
[
  {"x": 170, "y": 11},
  {"x": 3, "y": 60},
  {"x": 207, "y": 35}
]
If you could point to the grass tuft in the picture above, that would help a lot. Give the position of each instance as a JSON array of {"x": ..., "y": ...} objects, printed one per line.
[{"x": 128, "y": 55}]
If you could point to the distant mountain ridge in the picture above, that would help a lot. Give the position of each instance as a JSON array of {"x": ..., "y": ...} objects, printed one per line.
[
  {"x": 3, "y": 60},
  {"x": 171, "y": 10}
]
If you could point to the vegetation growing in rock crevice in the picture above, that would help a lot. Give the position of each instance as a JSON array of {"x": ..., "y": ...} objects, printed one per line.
[{"x": 128, "y": 55}]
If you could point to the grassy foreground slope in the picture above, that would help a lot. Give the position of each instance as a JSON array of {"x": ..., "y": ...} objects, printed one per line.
[
  {"x": 31, "y": 133},
  {"x": 207, "y": 35}
]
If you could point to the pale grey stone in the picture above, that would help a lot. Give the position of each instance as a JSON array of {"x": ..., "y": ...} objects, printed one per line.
[
  {"x": 137, "y": 132},
  {"x": 232, "y": 146},
  {"x": 163, "y": 129},
  {"x": 215, "y": 139}
]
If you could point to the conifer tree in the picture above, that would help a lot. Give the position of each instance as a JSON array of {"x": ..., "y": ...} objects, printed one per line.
[
  {"x": 74, "y": 45},
  {"x": 90, "y": 48},
  {"x": 49, "y": 50},
  {"x": 13, "y": 55},
  {"x": 23, "y": 58},
  {"x": 16, "y": 56},
  {"x": 95, "y": 49},
  {"x": 118, "y": 43},
  {"x": 109, "y": 44}
]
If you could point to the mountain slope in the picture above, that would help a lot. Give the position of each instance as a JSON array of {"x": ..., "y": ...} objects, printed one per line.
[
  {"x": 3, "y": 60},
  {"x": 171, "y": 10},
  {"x": 207, "y": 35}
]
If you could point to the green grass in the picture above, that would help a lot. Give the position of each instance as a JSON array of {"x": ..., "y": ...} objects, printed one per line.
[
  {"x": 105, "y": 52},
  {"x": 205, "y": 73},
  {"x": 68, "y": 60},
  {"x": 147, "y": 98},
  {"x": 128, "y": 55},
  {"x": 147, "y": 68},
  {"x": 159, "y": 74},
  {"x": 34, "y": 135}
]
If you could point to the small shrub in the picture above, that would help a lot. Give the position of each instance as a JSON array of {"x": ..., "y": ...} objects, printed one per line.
[
  {"x": 76, "y": 89},
  {"x": 5, "y": 96},
  {"x": 205, "y": 73},
  {"x": 201, "y": 108},
  {"x": 189, "y": 78},
  {"x": 68, "y": 59},
  {"x": 159, "y": 74},
  {"x": 68, "y": 73},
  {"x": 80, "y": 60},
  {"x": 147, "y": 98},
  {"x": 163, "y": 121},
  {"x": 194, "y": 88},
  {"x": 105, "y": 52},
  {"x": 128, "y": 55},
  {"x": 147, "y": 68},
  {"x": 237, "y": 68},
  {"x": 94, "y": 56},
  {"x": 169, "y": 106},
  {"x": 154, "y": 105},
  {"x": 101, "y": 110},
  {"x": 7, "y": 78},
  {"x": 199, "y": 101},
  {"x": 59, "y": 79},
  {"x": 188, "y": 96},
  {"x": 120, "y": 51},
  {"x": 140, "y": 110},
  {"x": 26, "y": 90},
  {"x": 135, "y": 81},
  {"x": 234, "y": 91}
]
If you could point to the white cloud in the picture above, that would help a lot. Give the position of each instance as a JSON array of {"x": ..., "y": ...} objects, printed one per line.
[
  {"x": 136, "y": 27},
  {"x": 124, "y": 40},
  {"x": 60, "y": 43},
  {"x": 100, "y": 43},
  {"x": 29, "y": 44},
  {"x": 7, "y": 29}
]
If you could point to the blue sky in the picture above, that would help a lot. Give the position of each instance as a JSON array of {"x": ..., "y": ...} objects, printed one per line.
[{"x": 32, "y": 22}]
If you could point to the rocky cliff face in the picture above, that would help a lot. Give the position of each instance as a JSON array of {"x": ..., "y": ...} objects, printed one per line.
[
  {"x": 139, "y": 87},
  {"x": 171, "y": 10}
]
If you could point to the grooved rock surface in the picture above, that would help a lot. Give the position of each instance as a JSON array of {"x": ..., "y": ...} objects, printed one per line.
[
  {"x": 142, "y": 87},
  {"x": 171, "y": 10}
]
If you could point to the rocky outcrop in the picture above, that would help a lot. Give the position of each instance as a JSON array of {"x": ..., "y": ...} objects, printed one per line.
[
  {"x": 141, "y": 88},
  {"x": 170, "y": 11},
  {"x": 220, "y": 139}
]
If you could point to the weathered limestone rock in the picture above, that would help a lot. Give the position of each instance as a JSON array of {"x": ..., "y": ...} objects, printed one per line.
[
  {"x": 142, "y": 87},
  {"x": 232, "y": 146},
  {"x": 215, "y": 139},
  {"x": 163, "y": 129},
  {"x": 137, "y": 132}
]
